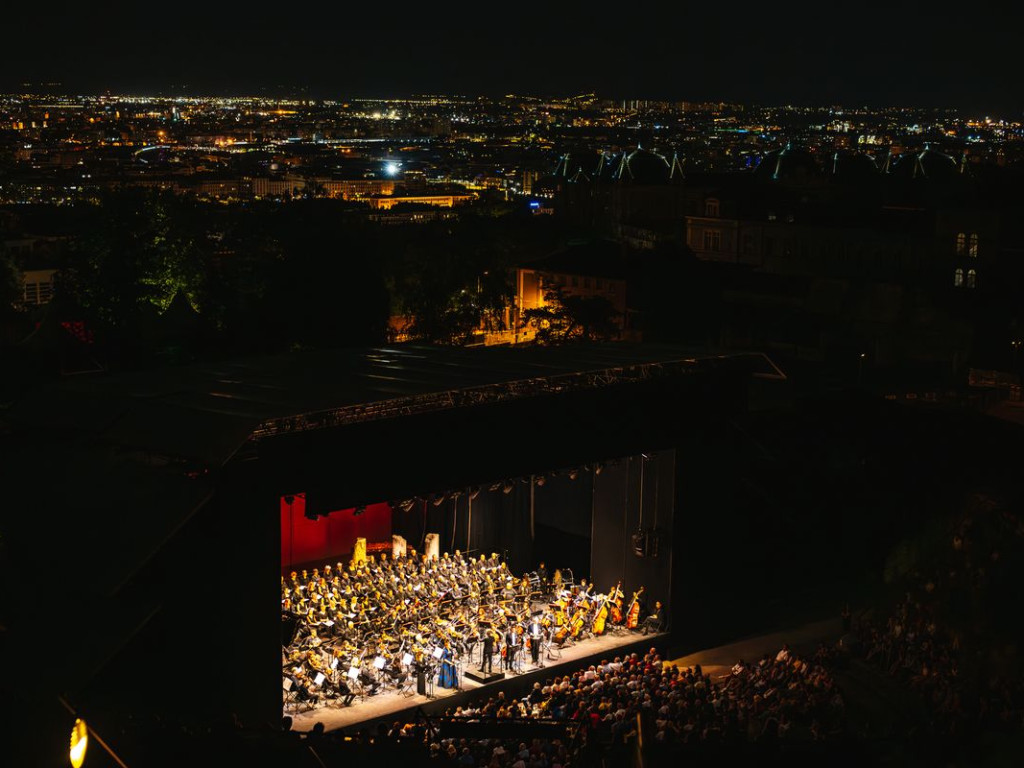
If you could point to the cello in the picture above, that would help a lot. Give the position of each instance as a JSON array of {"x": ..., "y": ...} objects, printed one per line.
[
  {"x": 633, "y": 613},
  {"x": 602, "y": 614},
  {"x": 616, "y": 606},
  {"x": 577, "y": 623}
]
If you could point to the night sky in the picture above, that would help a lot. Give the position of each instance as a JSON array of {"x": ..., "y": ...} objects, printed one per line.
[{"x": 893, "y": 54}]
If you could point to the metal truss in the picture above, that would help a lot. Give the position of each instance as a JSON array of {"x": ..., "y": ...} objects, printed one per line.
[{"x": 494, "y": 393}]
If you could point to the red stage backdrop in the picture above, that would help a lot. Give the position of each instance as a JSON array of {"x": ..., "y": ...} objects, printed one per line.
[{"x": 331, "y": 537}]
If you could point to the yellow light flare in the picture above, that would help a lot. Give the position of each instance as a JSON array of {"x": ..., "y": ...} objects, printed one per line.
[{"x": 79, "y": 743}]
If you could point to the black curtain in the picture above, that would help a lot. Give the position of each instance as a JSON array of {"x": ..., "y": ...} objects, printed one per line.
[
  {"x": 630, "y": 495},
  {"x": 562, "y": 522},
  {"x": 500, "y": 522}
]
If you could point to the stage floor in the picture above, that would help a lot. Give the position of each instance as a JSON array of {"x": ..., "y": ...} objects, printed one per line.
[{"x": 390, "y": 702}]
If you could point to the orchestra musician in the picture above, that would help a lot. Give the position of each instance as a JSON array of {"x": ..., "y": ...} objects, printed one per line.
[
  {"x": 655, "y": 620},
  {"x": 344, "y": 691},
  {"x": 392, "y": 606},
  {"x": 535, "y": 637},
  {"x": 513, "y": 641}
]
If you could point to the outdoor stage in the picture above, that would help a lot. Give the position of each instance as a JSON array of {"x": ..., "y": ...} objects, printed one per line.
[{"x": 392, "y": 705}]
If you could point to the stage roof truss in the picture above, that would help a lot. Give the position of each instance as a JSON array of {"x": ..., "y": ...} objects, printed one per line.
[{"x": 480, "y": 395}]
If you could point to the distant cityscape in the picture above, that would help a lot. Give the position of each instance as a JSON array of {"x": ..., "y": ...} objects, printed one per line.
[
  {"x": 866, "y": 226},
  {"x": 65, "y": 148}
]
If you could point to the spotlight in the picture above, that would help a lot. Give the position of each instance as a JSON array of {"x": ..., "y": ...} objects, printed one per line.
[
  {"x": 474, "y": 493},
  {"x": 496, "y": 486},
  {"x": 573, "y": 474},
  {"x": 407, "y": 505},
  {"x": 507, "y": 488},
  {"x": 439, "y": 500},
  {"x": 598, "y": 468},
  {"x": 540, "y": 480}
]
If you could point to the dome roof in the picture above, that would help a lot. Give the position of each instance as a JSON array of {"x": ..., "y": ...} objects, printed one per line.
[
  {"x": 789, "y": 163},
  {"x": 574, "y": 166},
  {"x": 927, "y": 164},
  {"x": 642, "y": 166},
  {"x": 846, "y": 165},
  {"x": 606, "y": 166}
]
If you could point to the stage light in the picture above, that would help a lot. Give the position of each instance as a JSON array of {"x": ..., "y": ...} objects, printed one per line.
[
  {"x": 407, "y": 505},
  {"x": 496, "y": 486},
  {"x": 598, "y": 468},
  {"x": 79, "y": 743},
  {"x": 573, "y": 474},
  {"x": 474, "y": 493},
  {"x": 540, "y": 480},
  {"x": 439, "y": 500},
  {"x": 358, "y": 510},
  {"x": 507, "y": 488}
]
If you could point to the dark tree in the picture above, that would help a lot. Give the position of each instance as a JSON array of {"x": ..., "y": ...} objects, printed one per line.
[
  {"x": 138, "y": 252},
  {"x": 565, "y": 318},
  {"x": 10, "y": 282}
]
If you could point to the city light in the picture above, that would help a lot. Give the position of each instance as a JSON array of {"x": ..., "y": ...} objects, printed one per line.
[{"x": 391, "y": 169}]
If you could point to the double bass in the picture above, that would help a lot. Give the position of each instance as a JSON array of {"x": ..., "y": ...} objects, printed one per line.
[{"x": 633, "y": 613}]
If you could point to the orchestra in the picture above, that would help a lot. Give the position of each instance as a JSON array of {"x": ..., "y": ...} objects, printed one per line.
[{"x": 362, "y": 627}]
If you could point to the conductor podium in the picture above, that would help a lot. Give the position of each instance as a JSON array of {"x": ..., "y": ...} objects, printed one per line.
[{"x": 484, "y": 677}]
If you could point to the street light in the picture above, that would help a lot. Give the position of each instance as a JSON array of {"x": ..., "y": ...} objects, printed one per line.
[{"x": 79, "y": 743}]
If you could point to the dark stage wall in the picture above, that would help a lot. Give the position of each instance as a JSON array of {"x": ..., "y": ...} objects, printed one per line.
[
  {"x": 629, "y": 494},
  {"x": 585, "y": 524}
]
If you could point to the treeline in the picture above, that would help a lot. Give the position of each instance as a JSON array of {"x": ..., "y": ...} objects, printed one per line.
[{"x": 157, "y": 278}]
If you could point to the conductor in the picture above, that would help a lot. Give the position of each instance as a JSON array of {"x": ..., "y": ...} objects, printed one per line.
[{"x": 488, "y": 651}]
